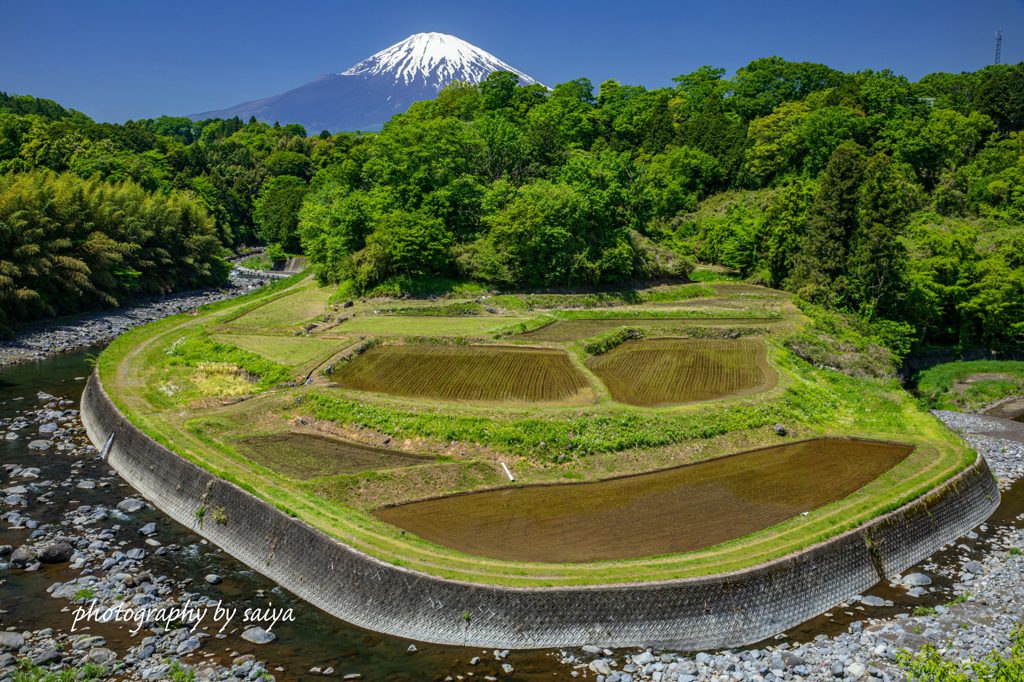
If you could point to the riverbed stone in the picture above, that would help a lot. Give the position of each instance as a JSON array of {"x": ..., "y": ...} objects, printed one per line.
[
  {"x": 11, "y": 641},
  {"x": 214, "y": 579},
  {"x": 39, "y": 445},
  {"x": 57, "y": 553},
  {"x": 148, "y": 529},
  {"x": 23, "y": 557},
  {"x": 872, "y": 600},
  {"x": 188, "y": 646},
  {"x": 101, "y": 656},
  {"x": 258, "y": 636},
  {"x": 974, "y": 568},
  {"x": 131, "y": 505},
  {"x": 917, "y": 580},
  {"x": 48, "y": 656}
]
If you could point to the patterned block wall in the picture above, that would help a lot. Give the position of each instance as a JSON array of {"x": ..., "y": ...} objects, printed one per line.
[{"x": 725, "y": 610}]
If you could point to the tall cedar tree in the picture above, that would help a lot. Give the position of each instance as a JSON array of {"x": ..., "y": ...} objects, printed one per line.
[
  {"x": 821, "y": 272},
  {"x": 879, "y": 259}
]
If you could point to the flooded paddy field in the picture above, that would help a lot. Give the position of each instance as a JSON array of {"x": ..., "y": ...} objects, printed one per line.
[{"x": 671, "y": 511}]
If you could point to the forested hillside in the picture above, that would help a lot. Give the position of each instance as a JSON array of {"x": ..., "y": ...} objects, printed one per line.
[{"x": 897, "y": 202}]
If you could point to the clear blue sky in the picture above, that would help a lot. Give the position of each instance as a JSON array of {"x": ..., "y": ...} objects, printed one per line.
[{"x": 122, "y": 60}]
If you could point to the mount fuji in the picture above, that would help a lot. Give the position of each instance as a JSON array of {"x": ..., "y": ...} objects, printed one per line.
[{"x": 365, "y": 96}]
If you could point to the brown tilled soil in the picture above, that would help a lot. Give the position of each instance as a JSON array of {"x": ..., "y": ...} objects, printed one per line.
[
  {"x": 481, "y": 375},
  {"x": 670, "y": 511},
  {"x": 659, "y": 372}
]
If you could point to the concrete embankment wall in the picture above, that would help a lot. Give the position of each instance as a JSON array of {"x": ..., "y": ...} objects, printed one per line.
[{"x": 725, "y": 610}]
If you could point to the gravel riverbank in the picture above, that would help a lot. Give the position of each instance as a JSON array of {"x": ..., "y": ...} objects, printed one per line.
[
  {"x": 108, "y": 556},
  {"x": 40, "y": 340},
  {"x": 1005, "y": 456}
]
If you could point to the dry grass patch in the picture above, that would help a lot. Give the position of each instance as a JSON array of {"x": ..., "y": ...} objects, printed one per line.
[{"x": 303, "y": 456}]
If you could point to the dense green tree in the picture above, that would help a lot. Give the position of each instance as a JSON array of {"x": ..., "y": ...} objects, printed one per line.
[
  {"x": 717, "y": 133},
  {"x": 276, "y": 210}
]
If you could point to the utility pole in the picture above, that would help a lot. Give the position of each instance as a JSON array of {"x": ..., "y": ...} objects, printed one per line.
[{"x": 999, "y": 44}]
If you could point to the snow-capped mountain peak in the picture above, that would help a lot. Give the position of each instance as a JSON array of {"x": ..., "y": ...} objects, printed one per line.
[{"x": 434, "y": 59}]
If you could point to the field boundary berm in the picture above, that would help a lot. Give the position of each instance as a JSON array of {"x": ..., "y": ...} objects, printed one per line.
[{"x": 718, "y": 611}]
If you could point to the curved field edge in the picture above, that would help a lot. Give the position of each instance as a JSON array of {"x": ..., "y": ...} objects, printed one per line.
[{"x": 937, "y": 457}]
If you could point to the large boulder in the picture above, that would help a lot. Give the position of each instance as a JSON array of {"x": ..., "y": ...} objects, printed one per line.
[
  {"x": 57, "y": 553},
  {"x": 11, "y": 641},
  {"x": 23, "y": 557}
]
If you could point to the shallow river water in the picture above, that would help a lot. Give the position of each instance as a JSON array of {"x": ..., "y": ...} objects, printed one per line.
[{"x": 315, "y": 638}]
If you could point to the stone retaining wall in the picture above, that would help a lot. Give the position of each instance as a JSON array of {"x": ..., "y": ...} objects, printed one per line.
[{"x": 725, "y": 610}]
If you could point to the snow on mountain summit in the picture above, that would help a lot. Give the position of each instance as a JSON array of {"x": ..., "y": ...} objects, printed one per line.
[
  {"x": 371, "y": 92},
  {"x": 436, "y": 59}
]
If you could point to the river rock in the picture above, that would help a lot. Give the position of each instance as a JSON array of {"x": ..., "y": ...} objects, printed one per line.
[
  {"x": 48, "y": 428},
  {"x": 600, "y": 666},
  {"x": 214, "y": 579},
  {"x": 39, "y": 445},
  {"x": 131, "y": 505},
  {"x": 48, "y": 656},
  {"x": 11, "y": 641},
  {"x": 855, "y": 670},
  {"x": 101, "y": 656},
  {"x": 974, "y": 568},
  {"x": 5, "y": 550},
  {"x": 507, "y": 668},
  {"x": 136, "y": 554},
  {"x": 148, "y": 529},
  {"x": 779, "y": 429},
  {"x": 258, "y": 636},
  {"x": 188, "y": 646},
  {"x": 23, "y": 556},
  {"x": 56, "y": 553},
  {"x": 872, "y": 600},
  {"x": 917, "y": 580},
  {"x": 90, "y": 642}
]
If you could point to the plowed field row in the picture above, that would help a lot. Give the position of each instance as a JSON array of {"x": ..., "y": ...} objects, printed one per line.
[
  {"x": 658, "y": 372},
  {"x": 467, "y": 374}
]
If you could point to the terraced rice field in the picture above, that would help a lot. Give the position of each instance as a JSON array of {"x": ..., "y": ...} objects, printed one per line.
[
  {"x": 672, "y": 511},
  {"x": 576, "y": 330},
  {"x": 469, "y": 374},
  {"x": 288, "y": 350},
  {"x": 660, "y": 372},
  {"x": 431, "y": 325},
  {"x": 290, "y": 310},
  {"x": 302, "y": 456}
]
